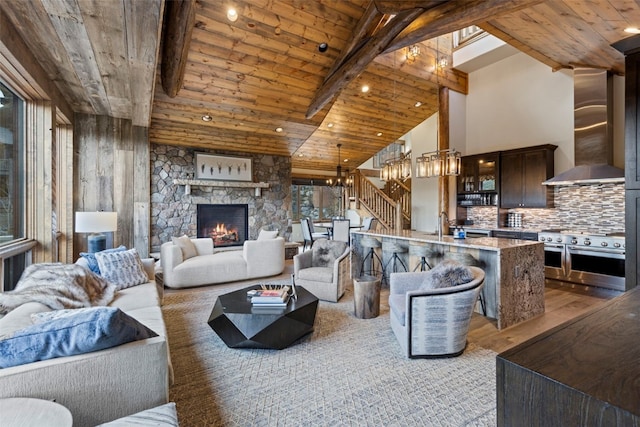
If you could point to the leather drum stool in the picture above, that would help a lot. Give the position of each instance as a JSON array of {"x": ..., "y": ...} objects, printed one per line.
[
  {"x": 424, "y": 252},
  {"x": 469, "y": 260},
  {"x": 371, "y": 244}
]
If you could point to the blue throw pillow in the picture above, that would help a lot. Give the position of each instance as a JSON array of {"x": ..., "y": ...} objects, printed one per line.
[
  {"x": 93, "y": 262},
  {"x": 84, "y": 332}
]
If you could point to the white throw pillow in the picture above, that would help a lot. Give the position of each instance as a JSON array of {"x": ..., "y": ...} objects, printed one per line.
[
  {"x": 186, "y": 246},
  {"x": 267, "y": 234},
  {"x": 124, "y": 269}
]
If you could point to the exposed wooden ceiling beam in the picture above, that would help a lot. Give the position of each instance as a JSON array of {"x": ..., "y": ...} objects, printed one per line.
[
  {"x": 452, "y": 16},
  {"x": 495, "y": 31},
  {"x": 356, "y": 63},
  {"x": 180, "y": 16},
  {"x": 370, "y": 20},
  {"x": 395, "y": 6}
]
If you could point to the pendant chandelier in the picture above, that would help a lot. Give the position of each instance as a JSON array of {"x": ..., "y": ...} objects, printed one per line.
[
  {"x": 438, "y": 163},
  {"x": 398, "y": 168},
  {"x": 444, "y": 162},
  {"x": 340, "y": 180}
]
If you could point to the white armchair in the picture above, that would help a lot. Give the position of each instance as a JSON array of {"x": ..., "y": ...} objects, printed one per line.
[
  {"x": 429, "y": 320},
  {"x": 324, "y": 270}
]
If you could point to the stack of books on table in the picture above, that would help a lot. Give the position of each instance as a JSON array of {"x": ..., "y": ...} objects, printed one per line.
[{"x": 278, "y": 297}]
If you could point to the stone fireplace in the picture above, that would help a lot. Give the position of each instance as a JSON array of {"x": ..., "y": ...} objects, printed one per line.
[
  {"x": 174, "y": 212},
  {"x": 226, "y": 224}
]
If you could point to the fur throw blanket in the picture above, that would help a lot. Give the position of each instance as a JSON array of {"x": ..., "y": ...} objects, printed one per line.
[{"x": 58, "y": 286}]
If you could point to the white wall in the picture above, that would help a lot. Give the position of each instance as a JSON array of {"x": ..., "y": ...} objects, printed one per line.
[
  {"x": 424, "y": 191},
  {"x": 519, "y": 102}
]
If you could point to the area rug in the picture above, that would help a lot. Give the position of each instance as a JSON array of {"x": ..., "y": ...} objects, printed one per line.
[{"x": 348, "y": 372}]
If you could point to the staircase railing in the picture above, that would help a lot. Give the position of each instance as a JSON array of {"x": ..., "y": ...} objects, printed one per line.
[
  {"x": 381, "y": 206},
  {"x": 400, "y": 192}
]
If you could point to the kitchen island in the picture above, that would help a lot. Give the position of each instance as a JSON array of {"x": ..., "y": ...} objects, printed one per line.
[{"x": 514, "y": 269}]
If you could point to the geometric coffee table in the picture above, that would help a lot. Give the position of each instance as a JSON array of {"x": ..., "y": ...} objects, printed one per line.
[{"x": 241, "y": 325}]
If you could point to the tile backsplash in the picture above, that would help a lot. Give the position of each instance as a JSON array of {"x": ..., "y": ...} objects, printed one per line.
[{"x": 592, "y": 208}]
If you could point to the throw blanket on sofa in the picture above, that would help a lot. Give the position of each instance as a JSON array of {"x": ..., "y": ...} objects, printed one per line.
[{"x": 58, "y": 286}]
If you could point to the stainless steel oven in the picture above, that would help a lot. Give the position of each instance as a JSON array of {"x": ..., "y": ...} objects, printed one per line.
[
  {"x": 596, "y": 266},
  {"x": 554, "y": 261},
  {"x": 585, "y": 258}
]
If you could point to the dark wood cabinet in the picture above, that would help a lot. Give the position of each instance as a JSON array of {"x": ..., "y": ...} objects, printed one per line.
[
  {"x": 631, "y": 49},
  {"x": 522, "y": 172},
  {"x": 478, "y": 180}
]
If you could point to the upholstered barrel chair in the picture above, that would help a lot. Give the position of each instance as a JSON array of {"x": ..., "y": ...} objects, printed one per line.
[
  {"x": 324, "y": 270},
  {"x": 430, "y": 311}
]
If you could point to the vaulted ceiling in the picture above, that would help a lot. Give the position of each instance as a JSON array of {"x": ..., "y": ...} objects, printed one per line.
[{"x": 165, "y": 65}]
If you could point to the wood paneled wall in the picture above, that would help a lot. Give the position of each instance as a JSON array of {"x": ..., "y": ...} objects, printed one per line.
[
  {"x": 38, "y": 163},
  {"x": 64, "y": 197},
  {"x": 111, "y": 158}
]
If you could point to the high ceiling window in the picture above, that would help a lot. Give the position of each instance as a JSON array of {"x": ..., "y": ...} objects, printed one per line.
[{"x": 12, "y": 149}]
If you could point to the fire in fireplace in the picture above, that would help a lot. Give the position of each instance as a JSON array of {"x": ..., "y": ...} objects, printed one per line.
[{"x": 226, "y": 224}]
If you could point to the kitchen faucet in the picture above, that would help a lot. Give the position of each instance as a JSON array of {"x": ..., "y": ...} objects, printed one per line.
[{"x": 439, "y": 225}]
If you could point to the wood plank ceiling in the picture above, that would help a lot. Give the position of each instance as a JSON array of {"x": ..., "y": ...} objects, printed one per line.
[{"x": 265, "y": 71}]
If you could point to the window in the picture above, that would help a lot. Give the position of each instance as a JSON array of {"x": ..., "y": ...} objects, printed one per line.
[
  {"x": 14, "y": 255},
  {"x": 314, "y": 201},
  {"x": 12, "y": 199}
]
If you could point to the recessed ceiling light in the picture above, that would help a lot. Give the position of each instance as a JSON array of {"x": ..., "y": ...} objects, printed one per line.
[
  {"x": 300, "y": 155},
  {"x": 632, "y": 30},
  {"x": 379, "y": 134},
  {"x": 322, "y": 47},
  {"x": 417, "y": 104},
  {"x": 345, "y": 160},
  {"x": 279, "y": 129},
  {"x": 207, "y": 118},
  {"x": 365, "y": 89},
  {"x": 232, "y": 14},
  {"x": 330, "y": 125}
]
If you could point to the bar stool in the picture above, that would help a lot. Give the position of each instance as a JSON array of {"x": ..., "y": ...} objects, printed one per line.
[
  {"x": 424, "y": 252},
  {"x": 469, "y": 260},
  {"x": 396, "y": 248},
  {"x": 370, "y": 243}
]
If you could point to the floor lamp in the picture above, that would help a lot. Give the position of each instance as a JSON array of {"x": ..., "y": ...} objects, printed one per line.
[{"x": 96, "y": 223}]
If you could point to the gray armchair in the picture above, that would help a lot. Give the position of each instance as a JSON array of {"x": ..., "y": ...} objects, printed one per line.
[
  {"x": 324, "y": 270},
  {"x": 429, "y": 319}
]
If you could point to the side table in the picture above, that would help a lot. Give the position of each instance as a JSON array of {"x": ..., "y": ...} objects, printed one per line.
[
  {"x": 30, "y": 412},
  {"x": 291, "y": 249},
  {"x": 366, "y": 297}
]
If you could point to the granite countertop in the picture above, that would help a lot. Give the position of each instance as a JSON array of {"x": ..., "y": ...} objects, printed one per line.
[{"x": 486, "y": 243}]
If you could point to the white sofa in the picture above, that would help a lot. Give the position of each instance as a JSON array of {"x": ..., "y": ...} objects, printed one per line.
[
  {"x": 104, "y": 385},
  {"x": 258, "y": 258}
]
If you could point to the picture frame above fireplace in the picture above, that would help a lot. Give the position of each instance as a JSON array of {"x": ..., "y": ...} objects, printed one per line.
[{"x": 223, "y": 168}]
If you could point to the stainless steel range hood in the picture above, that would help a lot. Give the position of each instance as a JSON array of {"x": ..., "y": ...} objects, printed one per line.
[{"x": 593, "y": 147}]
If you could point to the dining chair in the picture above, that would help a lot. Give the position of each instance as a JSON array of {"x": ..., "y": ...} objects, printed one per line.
[
  {"x": 317, "y": 234},
  {"x": 341, "y": 230},
  {"x": 369, "y": 223},
  {"x": 306, "y": 233}
]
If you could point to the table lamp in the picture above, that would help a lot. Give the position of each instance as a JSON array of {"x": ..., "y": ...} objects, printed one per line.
[{"x": 96, "y": 223}]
